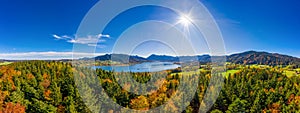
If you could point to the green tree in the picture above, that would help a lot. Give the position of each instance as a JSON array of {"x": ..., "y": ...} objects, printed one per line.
[{"x": 237, "y": 106}]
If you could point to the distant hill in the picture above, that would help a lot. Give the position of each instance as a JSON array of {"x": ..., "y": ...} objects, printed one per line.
[
  {"x": 249, "y": 57},
  {"x": 163, "y": 58},
  {"x": 121, "y": 58},
  {"x": 253, "y": 57},
  {"x": 204, "y": 58}
]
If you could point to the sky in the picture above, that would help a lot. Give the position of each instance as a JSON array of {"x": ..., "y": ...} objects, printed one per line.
[{"x": 46, "y": 29}]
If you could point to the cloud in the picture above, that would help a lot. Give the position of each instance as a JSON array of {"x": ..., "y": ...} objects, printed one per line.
[
  {"x": 97, "y": 45},
  {"x": 228, "y": 21},
  {"x": 56, "y": 36},
  {"x": 50, "y": 55},
  {"x": 90, "y": 40},
  {"x": 104, "y": 36}
]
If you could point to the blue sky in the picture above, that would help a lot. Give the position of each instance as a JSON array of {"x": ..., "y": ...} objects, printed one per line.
[{"x": 45, "y": 29}]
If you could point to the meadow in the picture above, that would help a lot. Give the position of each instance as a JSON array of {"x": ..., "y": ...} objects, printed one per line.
[{"x": 5, "y": 63}]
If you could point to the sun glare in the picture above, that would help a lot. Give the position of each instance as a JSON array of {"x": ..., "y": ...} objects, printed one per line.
[{"x": 185, "y": 20}]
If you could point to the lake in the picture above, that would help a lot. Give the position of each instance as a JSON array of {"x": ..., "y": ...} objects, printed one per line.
[{"x": 143, "y": 67}]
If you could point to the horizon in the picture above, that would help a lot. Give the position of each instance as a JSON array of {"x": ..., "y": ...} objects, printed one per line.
[
  {"x": 39, "y": 30},
  {"x": 102, "y": 54}
]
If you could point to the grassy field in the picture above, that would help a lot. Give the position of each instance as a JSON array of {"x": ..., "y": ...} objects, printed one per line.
[
  {"x": 5, "y": 63},
  {"x": 259, "y": 66},
  {"x": 290, "y": 73},
  {"x": 226, "y": 74},
  {"x": 229, "y": 72},
  {"x": 286, "y": 71}
]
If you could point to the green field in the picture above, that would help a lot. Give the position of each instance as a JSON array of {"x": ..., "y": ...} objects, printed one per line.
[
  {"x": 259, "y": 66},
  {"x": 229, "y": 72},
  {"x": 226, "y": 74},
  {"x": 5, "y": 63},
  {"x": 290, "y": 73}
]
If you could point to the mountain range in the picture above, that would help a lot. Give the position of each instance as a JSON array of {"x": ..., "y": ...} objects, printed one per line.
[{"x": 249, "y": 57}]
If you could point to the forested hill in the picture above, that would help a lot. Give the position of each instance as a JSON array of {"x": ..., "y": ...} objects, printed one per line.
[
  {"x": 265, "y": 58},
  {"x": 123, "y": 58},
  {"x": 249, "y": 57},
  {"x": 165, "y": 58}
]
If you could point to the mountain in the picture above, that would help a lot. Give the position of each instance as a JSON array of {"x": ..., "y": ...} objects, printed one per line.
[
  {"x": 249, "y": 57},
  {"x": 163, "y": 58},
  {"x": 253, "y": 57},
  {"x": 121, "y": 58},
  {"x": 204, "y": 58}
]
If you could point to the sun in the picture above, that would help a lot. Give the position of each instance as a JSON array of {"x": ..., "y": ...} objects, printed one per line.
[{"x": 185, "y": 20}]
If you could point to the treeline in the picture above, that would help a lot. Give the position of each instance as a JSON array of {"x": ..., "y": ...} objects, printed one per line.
[
  {"x": 259, "y": 90},
  {"x": 40, "y": 86}
]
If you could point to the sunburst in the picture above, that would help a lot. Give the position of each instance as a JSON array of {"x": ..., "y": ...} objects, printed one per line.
[{"x": 185, "y": 20}]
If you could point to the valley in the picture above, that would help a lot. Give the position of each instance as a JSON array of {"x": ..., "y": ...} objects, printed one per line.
[{"x": 60, "y": 86}]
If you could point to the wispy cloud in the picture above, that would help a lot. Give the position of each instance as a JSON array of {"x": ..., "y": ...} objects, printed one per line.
[
  {"x": 97, "y": 45},
  {"x": 50, "y": 55},
  {"x": 56, "y": 36},
  {"x": 90, "y": 40},
  {"x": 228, "y": 21}
]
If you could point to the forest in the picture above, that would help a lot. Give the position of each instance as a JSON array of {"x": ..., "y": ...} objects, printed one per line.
[{"x": 54, "y": 86}]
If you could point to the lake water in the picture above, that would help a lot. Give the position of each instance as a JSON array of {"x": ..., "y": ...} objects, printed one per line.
[{"x": 143, "y": 67}]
